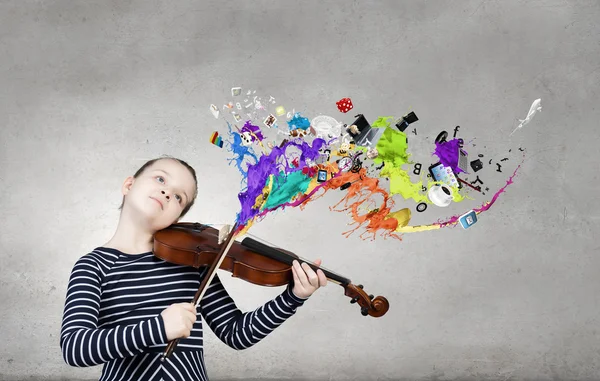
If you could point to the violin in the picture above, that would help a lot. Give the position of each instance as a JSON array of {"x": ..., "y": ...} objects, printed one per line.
[{"x": 198, "y": 245}]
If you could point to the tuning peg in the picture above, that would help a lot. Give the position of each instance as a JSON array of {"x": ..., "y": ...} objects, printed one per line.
[
  {"x": 364, "y": 311},
  {"x": 354, "y": 300},
  {"x": 371, "y": 297},
  {"x": 360, "y": 286}
]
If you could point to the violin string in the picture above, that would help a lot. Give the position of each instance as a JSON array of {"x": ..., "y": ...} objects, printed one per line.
[
  {"x": 240, "y": 237},
  {"x": 300, "y": 259}
]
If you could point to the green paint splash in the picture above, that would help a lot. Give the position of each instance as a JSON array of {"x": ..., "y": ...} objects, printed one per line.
[
  {"x": 392, "y": 148},
  {"x": 286, "y": 187},
  {"x": 382, "y": 121}
]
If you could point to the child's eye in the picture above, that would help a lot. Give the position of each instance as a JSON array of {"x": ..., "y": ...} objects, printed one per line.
[
  {"x": 159, "y": 177},
  {"x": 179, "y": 197}
]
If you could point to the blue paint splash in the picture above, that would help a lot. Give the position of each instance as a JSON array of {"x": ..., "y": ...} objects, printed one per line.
[
  {"x": 298, "y": 122},
  {"x": 240, "y": 152}
]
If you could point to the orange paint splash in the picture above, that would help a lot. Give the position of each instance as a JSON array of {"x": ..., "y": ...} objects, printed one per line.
[{"x": 361, "y": 189}]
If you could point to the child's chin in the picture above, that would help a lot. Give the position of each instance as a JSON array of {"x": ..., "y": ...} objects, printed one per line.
[{"x": 151, "y": 213}]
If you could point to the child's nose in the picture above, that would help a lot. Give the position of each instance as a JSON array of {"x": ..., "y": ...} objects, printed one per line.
[{"x": 163, "y": 192}]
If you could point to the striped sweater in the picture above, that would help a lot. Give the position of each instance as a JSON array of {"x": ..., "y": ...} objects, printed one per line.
[{"x": 112, "y": 316}]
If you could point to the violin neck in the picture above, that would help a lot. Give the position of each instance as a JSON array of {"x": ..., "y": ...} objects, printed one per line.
[{"x": 286, "y": 258}]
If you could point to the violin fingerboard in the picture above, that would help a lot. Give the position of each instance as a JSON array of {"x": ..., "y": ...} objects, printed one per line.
[
  {"x": 267, "y": 251},
  {"x": 286, "y": 258}
]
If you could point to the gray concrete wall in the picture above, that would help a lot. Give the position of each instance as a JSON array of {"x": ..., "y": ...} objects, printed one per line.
[{"x": 89, "y": 90}]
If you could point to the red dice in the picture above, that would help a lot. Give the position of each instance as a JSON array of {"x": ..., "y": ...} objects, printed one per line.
[{"x": 344, "y": 105}]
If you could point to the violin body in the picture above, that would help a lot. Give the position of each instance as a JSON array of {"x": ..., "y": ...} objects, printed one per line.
[{"x": 197, "y": 245}]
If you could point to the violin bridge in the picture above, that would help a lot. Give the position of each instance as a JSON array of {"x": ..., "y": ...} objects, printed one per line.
[{"x": 223, "y": 233}]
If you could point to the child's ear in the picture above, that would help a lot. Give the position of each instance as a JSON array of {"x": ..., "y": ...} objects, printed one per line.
[{"x": 127, "y": 184}]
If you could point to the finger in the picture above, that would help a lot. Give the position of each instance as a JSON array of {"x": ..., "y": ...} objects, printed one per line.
[
  {"x": 311, "y": 275},
  {"x": 301, "y": 275},
  {"x": 320, "y": 273},
  {"x": 322, "y": 278},
  {"x": 296, "y": 279}
]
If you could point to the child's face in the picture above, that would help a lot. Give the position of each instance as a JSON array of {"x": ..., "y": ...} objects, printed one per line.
[{"x": 160, "y": 193}]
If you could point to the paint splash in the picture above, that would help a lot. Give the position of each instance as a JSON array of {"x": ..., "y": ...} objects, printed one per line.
[
  {"x": 447, "y": 152},
  {"x": 452, "y": 221},
  {"x": 254, "y": 131},
  {"x": 299, "y": 171},
  {"x": 392, "y": 148},
  {"x": 298, "y": 122},
  {"x": 288, "y": 179},
  {"x": 241, "y": 153},
  {"x": 382, "y": 121}
]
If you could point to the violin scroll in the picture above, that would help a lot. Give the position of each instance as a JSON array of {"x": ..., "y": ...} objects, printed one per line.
[{"x": 375, "y": 307}]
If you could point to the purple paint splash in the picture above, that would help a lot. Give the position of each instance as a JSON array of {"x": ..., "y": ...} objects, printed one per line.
[
  {"x": 249, "y": 127},
  {"x": 258, "y": 174},
  {"x": 447, "y": 152}
]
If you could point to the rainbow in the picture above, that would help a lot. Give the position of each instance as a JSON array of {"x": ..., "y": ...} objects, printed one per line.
[{"x": 216, "y": 139}]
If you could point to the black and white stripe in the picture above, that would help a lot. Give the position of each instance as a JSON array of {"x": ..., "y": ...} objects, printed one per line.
[{"x": 112, "y": 316}]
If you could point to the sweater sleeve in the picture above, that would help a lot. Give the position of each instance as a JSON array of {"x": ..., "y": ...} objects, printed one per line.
[
  {"x": 241, "y": 330},
  {"x": 82, "y": 342}
]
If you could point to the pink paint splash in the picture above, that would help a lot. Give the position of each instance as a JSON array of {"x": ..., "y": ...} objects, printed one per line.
[{"x": 485, "y": 206}]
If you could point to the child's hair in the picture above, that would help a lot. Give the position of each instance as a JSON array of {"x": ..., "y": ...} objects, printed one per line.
[{"x": 192, "y": 171}]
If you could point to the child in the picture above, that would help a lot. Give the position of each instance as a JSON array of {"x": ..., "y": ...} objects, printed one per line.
[{"x": 123, "y": 304}]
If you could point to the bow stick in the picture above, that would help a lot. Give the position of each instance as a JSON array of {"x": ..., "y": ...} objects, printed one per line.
[{"x": 206, "y": 281}]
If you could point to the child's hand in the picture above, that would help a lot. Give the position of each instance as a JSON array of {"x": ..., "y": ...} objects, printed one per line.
[
  {"x": 306, "y": 281},
  {"x": 179, "y": 319}
]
